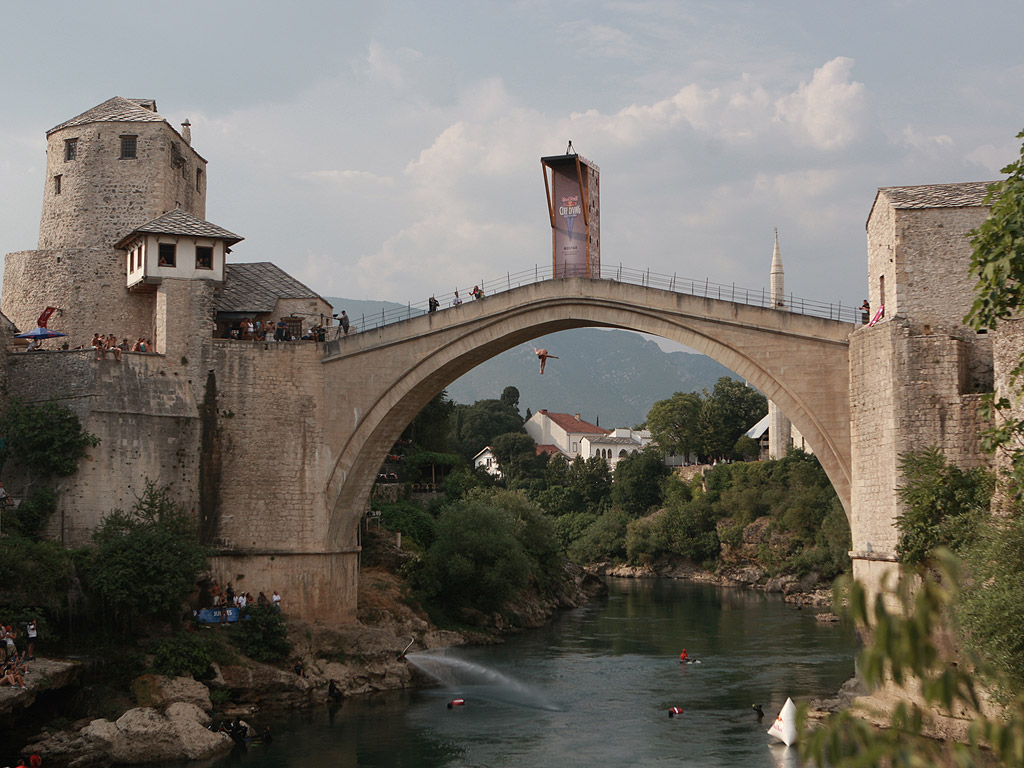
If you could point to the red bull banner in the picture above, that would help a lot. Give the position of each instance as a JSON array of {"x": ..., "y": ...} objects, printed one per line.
[{"x": 573, "y": 192}]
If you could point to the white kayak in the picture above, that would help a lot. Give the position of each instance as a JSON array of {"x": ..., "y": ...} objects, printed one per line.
[{"x": 784, "y": 727}]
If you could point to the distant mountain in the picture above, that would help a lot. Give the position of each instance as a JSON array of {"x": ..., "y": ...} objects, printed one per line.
[{"x": 609, "y": 377}]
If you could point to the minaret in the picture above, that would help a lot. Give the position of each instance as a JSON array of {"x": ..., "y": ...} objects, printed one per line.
[{"x": 779, "y": 428}]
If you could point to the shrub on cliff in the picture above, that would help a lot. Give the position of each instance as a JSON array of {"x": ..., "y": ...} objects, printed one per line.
[
  {"x": 146, "y": 560},
  {"x": 262, "y": 634},
  {"x": 45, "y": 439}
]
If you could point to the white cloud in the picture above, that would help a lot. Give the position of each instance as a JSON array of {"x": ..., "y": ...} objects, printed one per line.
[
  {"x": 829, "y": 111},
  {"x": 390, "y": 67},
  {"x": 921, "y": 142}
]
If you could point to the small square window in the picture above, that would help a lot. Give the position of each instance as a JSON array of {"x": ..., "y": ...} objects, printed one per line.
[
  {"x": 71, "y": 149},
  {"x": 166, "y": 257},
  {"x": 56, "y": 184},
  {"x": 129, "y": 147},
  {"x": 204, "y": 257}
]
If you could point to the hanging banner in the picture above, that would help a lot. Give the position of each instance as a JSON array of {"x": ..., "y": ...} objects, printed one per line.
[{"x": 573, "y": 192}]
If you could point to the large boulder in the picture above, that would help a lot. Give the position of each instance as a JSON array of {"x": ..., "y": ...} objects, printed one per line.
[
  {"x": 145, "y": 735},
  {"x": 160, "y": 691}
]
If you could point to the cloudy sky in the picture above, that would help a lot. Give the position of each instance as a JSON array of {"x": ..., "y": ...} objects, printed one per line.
[{"x": 389, "y": 150}]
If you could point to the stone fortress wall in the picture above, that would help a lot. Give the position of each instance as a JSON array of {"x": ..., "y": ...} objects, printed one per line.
[{"x": 918, "y": 375}]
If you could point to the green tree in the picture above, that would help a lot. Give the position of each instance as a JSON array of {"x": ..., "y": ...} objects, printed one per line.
[
  {"x": 945, "y": 504},
  {"x": 429, "y": 430},
  {"x": 728, "y": 411},
  {"x": 637, "y": 485},
  {"x": 145, "y": 561},
  {"x": 903, "y": 648},
  {"x": 43, "y": 440},
  {"x": 516, "y": 453},
  {"x": 673, "y": 423},
  {"x": 489, "y": 546},
  {"x": 510, "y": 397},
  {"x": 262, "y": 634},
  {"x": 473, "y": 427}
]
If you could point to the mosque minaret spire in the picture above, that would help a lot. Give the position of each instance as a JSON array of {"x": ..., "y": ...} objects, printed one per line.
[
  {"x": 779, "y": 428},
  {"x": 778, "y": 279}
]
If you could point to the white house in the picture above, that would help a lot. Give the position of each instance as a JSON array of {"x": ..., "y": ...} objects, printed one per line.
[
  {"x": 617, "y": 444},
  {"x": 488, "y": 462}
]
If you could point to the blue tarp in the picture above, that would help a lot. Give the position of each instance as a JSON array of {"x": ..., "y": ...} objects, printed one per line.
[{"x": 212, "y": 615}]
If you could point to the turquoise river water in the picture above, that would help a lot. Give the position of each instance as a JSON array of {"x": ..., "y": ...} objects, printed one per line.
[{"x": 591, "y": 689}]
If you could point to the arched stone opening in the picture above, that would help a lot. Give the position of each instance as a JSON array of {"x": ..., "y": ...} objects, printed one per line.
[{"x": 774, "y": 351}]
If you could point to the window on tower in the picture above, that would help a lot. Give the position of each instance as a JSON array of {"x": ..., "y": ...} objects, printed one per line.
[
  {"x": 56, "y": 184},
  {"x": 70, "y": 149},
  {"x": 204, "y": 257},
  {"x": 166, "y": 256},
  {"x": 129, "y": 147}
]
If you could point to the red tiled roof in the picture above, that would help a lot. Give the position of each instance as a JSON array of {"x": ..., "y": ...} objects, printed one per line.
[
  {"x": 571, "y": 423},
  {"x": 552, "y": 449}
]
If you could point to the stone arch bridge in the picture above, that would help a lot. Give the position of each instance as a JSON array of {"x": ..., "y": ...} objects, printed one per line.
[{"x": 378, "y": 380}]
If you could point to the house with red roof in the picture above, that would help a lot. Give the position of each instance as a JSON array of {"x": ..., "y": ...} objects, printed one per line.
[{"x": 565, "y": 431}]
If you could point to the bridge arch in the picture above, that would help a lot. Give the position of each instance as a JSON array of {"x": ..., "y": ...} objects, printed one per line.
[{"x": 386, "y": 376}]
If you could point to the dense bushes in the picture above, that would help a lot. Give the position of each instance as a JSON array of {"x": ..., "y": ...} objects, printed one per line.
[
  {"x": 261, "y": 634},
  {"x": 489, "y": 546}
]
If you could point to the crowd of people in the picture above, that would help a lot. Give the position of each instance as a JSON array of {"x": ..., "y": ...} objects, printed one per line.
[
  {"x": 14, "y": 666},
  {"x": 231, "y": 598},
  {"x": 249, "y": 329},
  {"x": 109, "y": 344}
]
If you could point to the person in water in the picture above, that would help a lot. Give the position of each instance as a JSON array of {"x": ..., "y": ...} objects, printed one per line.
[
  {"x": 684, "y": 657},
  {"x": 332, "y": 691},
  {"x": 542, "y": 355}
]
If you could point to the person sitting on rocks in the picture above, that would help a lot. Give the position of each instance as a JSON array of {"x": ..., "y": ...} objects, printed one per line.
[{"x": 9, "y": 675}]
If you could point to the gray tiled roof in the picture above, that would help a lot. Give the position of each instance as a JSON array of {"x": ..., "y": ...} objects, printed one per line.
[
  {"x": 257, "y": 287},
  {"x": 115, "y": 110},
  {"x": 179, "y": 222},
  {"x": 963, "y": 195}
]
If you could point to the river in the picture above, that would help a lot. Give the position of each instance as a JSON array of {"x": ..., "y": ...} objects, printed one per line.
[{"x": 591, "y": 689}]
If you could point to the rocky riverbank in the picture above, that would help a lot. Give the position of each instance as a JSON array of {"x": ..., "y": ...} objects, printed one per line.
[
  {"x": 171, "y": 717},
  {"x": 805, "y": 591}
]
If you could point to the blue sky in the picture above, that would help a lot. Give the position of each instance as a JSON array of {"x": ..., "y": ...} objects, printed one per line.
[{"x": 391, "y": 150}]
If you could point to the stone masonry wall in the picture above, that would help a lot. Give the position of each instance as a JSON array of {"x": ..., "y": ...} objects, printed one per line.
[
  {"x": 274, "y": 465},
  {"x": 87, "y": 285},
  {"x": 908, "y": 394},
  {"x": 145, "y": 418},
  {"x": 102, "y": 197},
  {"x": 924, "y": 255}
]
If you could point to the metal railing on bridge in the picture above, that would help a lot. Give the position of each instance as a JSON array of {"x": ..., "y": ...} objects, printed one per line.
[{"x": 756, "y": 297}]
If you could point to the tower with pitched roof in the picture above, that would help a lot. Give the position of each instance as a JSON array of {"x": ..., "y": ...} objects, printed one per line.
[{"x": 114, "y": 174}]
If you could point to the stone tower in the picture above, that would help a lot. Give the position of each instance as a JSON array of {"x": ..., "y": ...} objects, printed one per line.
[
  {"x": 779, "y": 427},
  {"x": 108, "y": 171}
]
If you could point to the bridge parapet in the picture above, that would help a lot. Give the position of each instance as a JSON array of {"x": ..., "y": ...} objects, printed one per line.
[{"x": 703, "y": 288}]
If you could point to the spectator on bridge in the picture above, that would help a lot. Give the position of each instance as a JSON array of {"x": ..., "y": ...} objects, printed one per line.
[
  {"x": 476, "y": 293},
  {"x": 432, "y": 304},
  {"x": 865, "y": 312},
  {"x": 456, "y": 302}
]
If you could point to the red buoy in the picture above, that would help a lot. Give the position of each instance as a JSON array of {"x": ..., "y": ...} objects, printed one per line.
[
  {"x": 673, "y": 711},
  {"x": 456, "y": 703}
]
